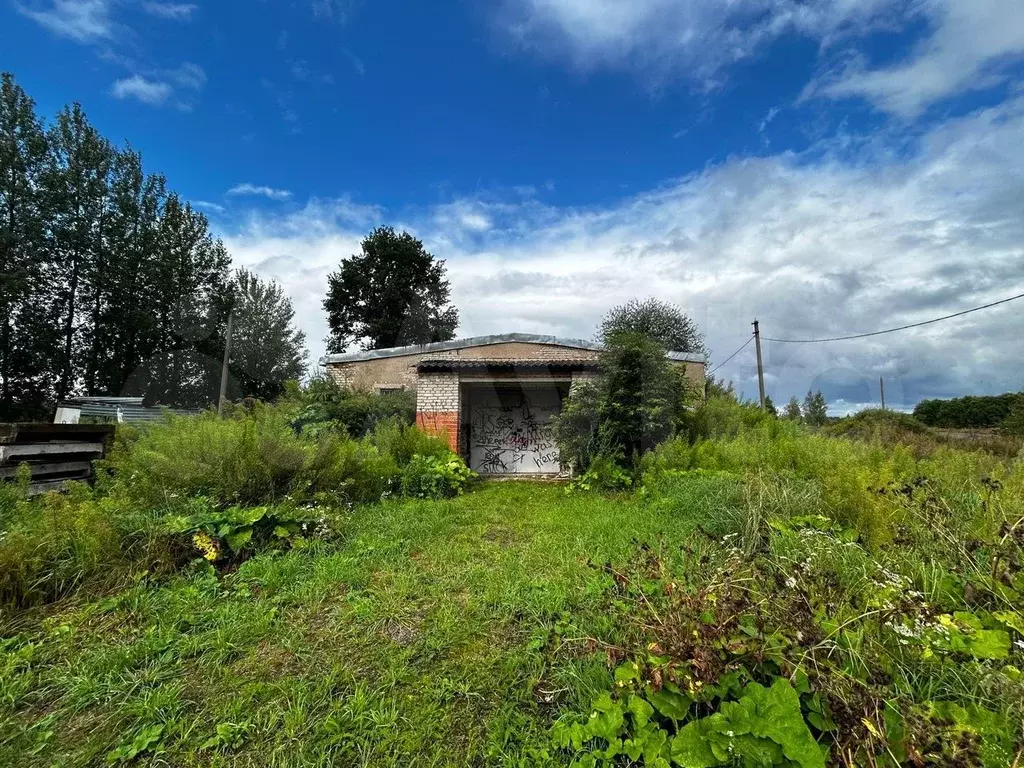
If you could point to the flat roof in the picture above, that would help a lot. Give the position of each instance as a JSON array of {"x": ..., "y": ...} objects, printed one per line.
[{"x": 482, "y": 341}]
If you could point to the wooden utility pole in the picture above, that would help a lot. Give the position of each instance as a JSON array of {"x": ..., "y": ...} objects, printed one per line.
[
  {"x": 881, "y": 385},
  {"x": 760, "y": 366},
  {"x": 224, "y": 368}
]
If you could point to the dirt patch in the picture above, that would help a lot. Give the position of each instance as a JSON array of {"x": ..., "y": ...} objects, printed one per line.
[
  {"x": 401, "y": 634},
  {"x": 503, "y": 537}
]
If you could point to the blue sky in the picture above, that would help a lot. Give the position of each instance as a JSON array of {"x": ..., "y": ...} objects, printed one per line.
[{"x": 829, "y": 166}]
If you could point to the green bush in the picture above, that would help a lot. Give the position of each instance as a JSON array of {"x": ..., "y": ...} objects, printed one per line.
[
  {"x": 52, "y": 544},
  {"x": 972, "y": 412},
  {"x": 603, "y": 474},
  {"x": 435, "y": 477},
  {"x": 324, "y": 406},
  {"x": 231, "y": 535},
  {"x": 637, "y": 402}
]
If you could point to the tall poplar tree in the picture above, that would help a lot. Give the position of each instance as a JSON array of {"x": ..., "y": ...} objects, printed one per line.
[
  {"x": 76, "y": 191},
  {"x": 23, "y": 328}
]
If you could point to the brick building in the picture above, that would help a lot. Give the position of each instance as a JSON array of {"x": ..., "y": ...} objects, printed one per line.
[{"x": 492, "y": 397}]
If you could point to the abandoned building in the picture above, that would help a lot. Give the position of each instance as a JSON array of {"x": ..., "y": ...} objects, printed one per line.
[{"x": 491, "y": 397}]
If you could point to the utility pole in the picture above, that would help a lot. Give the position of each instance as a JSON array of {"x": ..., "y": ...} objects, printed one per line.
[
  {"x": 881, "y": 384},
  {"x": 224, "y": 368},
  {"x": 760, "y": 367}
]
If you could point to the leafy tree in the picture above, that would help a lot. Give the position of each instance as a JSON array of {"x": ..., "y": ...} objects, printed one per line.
[
  {"x": 24, "y": 327},
  {"x": 636, "y": 403},
  {"x": 1014, "y": 422},
  {"x": 971, "y": 412},
  {"x": 190, "y": 307},
  {"x": 719, "y": 388},
  {"x": 137, "y": 201},
  {"x": 266, "y": 348},
  {"x": 769, "y": 406},
  {"x": 665, "y": 323},
  {"x": 108, "y": 284},
  {"x": 792, "y": 411},
  {"x": 392, "y": 294},
  {"x": 815, "y": 408}
]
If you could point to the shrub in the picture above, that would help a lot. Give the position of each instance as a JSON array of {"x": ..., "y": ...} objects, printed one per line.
[
  {"x": 435, "y": 477},
  {"x": 874, "y": 423},
  {"x": 231, "y": 535},
  {"x": 395, "y": 438},
  {"x": 52, "y": 544},
  {"x": 603, "y": 474},
  {"x": 325, "y": 406},
  {"x": 972, "y": 412},
  {"x": 637, "y": 403}
]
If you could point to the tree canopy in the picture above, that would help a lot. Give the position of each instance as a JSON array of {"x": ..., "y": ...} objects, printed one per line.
[
  {"x": 815, "y": 409},
  {"x": 110, "y": 284},
  {"x": 971, "y": 412},
  {"x": 665, "y": 323},
  {"x": 391, "y": 294},
  {"x": 266, "y": 348}
]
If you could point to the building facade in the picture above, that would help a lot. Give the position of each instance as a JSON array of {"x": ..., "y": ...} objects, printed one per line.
[{"x": 491, "y": 397}]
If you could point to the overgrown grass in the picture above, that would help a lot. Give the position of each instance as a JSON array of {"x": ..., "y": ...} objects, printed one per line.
[
  {"x": 421, "y": 637},
  {"x": 868, "y": 591},
  {"x": 202, "y": 473}
]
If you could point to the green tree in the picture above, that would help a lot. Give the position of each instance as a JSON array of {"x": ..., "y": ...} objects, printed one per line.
[
  {"x": 266, "y": 348},
  {"x": 815, "y": 408},
  {"x": 393, "y": 293},
  {"x": 792, "y": 411},
  {"x": 769, "y": 406},
  {"x": 190, "y": 305},
  {"x": 665, "y": 323},
  {"x": 24, "y": 327},
  {"x": 132, "y": 232},
  {"x": 637, "y": 402},
  {"x": 76, "y": 208}
]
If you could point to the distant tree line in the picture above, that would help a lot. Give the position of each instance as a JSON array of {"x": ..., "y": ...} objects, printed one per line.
[
  {"x": 972, "y": 412},
  {"x": 111, "y": 284}
]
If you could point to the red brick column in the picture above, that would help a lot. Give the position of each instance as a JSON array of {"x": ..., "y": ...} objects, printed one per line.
[
  {"x": 438, "y": 403},
  {"x": 444, "y": 424}
]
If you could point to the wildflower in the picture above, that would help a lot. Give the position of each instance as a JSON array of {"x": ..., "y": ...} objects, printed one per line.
[
  {"x": 209, "y": 547},
  {"x": 791, "y": 582}
]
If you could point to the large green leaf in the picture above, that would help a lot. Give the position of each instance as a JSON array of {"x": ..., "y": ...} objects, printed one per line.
[
  {"x": 238, "y": 538},
  {"x": 670, "y": 702},
  {"x": 762, "y": 728}
]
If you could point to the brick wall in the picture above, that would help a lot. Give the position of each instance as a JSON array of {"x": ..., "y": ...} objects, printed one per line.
[
  {"x": 437, "y": 406},
  {"x": 444, "y": 424}
]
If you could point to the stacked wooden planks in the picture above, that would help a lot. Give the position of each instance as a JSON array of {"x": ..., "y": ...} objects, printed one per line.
[{"x": 55, "y": 453}]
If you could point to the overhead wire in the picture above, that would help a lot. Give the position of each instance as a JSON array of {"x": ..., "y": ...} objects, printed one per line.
[
  {"x": 892, "y": 330},
  {"x": 730, "y": 357}
]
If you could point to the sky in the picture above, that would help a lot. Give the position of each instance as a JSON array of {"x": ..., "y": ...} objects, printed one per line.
[{"x": 829, "y": 167}]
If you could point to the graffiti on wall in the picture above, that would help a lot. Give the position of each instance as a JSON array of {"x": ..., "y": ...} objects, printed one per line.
[{"x": 513, "y": 434}]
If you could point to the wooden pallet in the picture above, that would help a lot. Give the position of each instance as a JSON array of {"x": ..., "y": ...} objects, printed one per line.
[{"x": 55, "y": 453}]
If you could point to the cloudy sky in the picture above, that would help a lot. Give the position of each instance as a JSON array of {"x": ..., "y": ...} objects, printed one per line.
[{"x": 827, "y": 166}]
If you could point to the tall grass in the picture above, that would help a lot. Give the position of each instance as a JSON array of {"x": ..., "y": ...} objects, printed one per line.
[{"x": 187, "y": 466}]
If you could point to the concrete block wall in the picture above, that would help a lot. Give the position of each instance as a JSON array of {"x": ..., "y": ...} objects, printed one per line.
[{"x": 437, "y": 406}]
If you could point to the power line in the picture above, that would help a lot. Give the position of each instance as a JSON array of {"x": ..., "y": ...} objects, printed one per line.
[
  {"x": 730, "y": 357},
  {"x": 891, "y": 330}
]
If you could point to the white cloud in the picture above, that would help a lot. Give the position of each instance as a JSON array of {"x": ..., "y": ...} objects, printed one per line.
[
  {"x": 158, "y": 86},
  {"x": 697, "y": 38},
  {"x": 208, "y": 206},
  {"x": 138, "y": 87},
  {"x": 172, "y": 11},
  {"x": 261, "y": 191},
  {"x": 82, "y": 20},
  {"x": 811, "y": 245},
  {"x": 969, "y": 46},
  {"x": 188, "y": 75}
]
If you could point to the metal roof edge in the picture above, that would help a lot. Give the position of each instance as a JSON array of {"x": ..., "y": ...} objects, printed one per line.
[{"x": 481, "y": 341}]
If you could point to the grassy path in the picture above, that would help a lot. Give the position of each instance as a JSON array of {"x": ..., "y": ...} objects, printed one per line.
[{"x": 422, "y": 638}]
